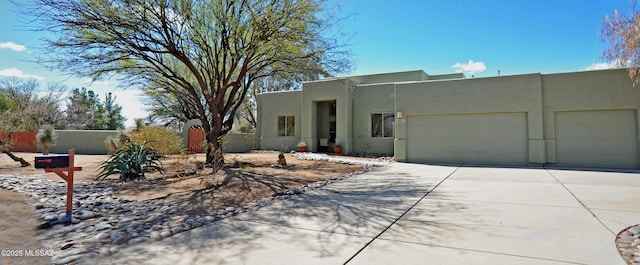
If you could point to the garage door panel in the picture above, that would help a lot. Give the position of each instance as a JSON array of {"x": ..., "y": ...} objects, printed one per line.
[
  {"x": 597, "y": 139},
  {"x": 496, "y": 138}
]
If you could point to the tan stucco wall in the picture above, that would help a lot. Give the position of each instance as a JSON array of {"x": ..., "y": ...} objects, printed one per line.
[
  {"x": 239, "y": 142},
  {"x": 520, "y": 93},
  {"x": 446, "y": 76},
  {"x": 583, "y": 91},
  {"x": 355, "y": 102},
  {"x": 539, "y": 97},
  {"x": 270, "y": 107},
  {"x": 88, "y": 142},
  {"x": 417, "y": 75},
  {"x": 371, "y": 99},
  {"x": 340, "y": 90}
]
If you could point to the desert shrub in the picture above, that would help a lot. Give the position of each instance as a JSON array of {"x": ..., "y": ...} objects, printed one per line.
[
  {"x": 113, "y": 143},
  {"x": 46, "y": 138},
  {"x": 163, "y": 140},
  {"x": 131, "y": 160},
  {"x": 209, "y": 181}
]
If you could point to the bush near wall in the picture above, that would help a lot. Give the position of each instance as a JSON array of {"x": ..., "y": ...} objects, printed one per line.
[{"x": 163, "y": 140}]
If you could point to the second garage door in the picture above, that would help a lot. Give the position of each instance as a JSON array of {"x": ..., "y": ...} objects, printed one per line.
[
  {"x": 486, "y": 138},
  {"x": 597, "y": 139}
]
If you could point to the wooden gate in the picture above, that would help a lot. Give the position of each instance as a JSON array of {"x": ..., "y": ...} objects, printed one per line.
[
  {"x": 196, "y": 140},
  {"x": 21, "y": 141}
]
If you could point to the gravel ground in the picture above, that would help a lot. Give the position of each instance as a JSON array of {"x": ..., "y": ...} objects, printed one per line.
[{"x": 343, "y": 159}]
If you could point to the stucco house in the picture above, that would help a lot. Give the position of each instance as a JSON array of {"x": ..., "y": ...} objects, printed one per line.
[{"x": 579, "y": 119}]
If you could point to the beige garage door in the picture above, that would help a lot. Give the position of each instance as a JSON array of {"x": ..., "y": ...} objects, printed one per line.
[
  {"x": 496, "y": 138},
  {"x": 597, "y": 139}
]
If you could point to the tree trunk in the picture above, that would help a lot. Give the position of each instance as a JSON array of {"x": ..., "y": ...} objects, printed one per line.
[
  {"x": 252, "y": 118},
  {"x": 23, "y": 163},
  {"x": 215, "y": 156}
]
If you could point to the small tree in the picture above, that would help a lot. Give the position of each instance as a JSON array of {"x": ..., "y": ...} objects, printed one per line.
[
  {"x": 113, "y": 118},
  {"x": 622, "y": 34},
  {"x": 139, "y": 124},
  {"x": 46, "y": 138},
  {"x": 86, "y": 111}
]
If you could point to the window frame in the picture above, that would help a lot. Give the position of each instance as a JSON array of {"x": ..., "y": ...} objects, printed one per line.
[
  {"x": 382, "y": 128},
  {"x": 288, "y": 130}
]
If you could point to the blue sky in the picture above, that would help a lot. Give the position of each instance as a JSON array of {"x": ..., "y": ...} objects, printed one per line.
[
  {"x": 444, "y": 36},
  {"x": 514, "y": 37}
]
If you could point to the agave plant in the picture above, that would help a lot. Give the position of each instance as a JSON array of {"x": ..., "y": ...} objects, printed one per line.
[{"x": 131, "y": 160}]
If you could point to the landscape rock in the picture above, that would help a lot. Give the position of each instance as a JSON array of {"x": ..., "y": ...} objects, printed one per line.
[
  {"x": 66, "y": 245},
  {"x": 229, "y": 210},
  {"x": 155, "y": 236},
  {"x": 119, "y": 238},
  {"x": 628, "y": 243},
  {"x": 103, "y": 226},
  {"x": 49, "y": 217},
  {"x": 165, "y": 234},
  {"x": 102, "y": 235},
  {"x": 176, "y": 229},
  {"x": 85, "y": 214}
]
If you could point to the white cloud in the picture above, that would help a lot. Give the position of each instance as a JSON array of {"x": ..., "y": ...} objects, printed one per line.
[
  {"x": 470, "y": 67},
  {"x": 15, "y": 72},
  {"x": 13, "y": 46},
  {"x": 600, "y": 66}
]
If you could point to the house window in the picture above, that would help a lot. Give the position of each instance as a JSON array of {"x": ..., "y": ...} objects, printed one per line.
[
  {"x": 382, "y": 124},
  {"x": 286, "y": 125}
]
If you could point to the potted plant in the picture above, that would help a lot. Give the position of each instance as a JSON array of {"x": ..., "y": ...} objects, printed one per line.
[
  {"x": 337, "y": 149},
  {"x": 302, "y": 146},
  {"x": 46, "y": 138}
]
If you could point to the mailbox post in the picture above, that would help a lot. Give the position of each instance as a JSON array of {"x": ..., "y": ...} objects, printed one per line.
[{"x": 60, "y": 164}]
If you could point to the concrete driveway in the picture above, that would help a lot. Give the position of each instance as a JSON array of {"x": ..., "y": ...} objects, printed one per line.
[{"x": 421, "y": 214}]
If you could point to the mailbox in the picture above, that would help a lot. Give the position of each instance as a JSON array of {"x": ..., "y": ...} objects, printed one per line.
[{"x": 52, "y": 161}]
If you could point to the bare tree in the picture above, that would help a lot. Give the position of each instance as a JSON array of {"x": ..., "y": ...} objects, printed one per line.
[
  {"x": 23, "y": 108},
  {"x": 210, "y": 50},
  {"x": 622, "y": 33},
  {"x": 30, "y": 108}
]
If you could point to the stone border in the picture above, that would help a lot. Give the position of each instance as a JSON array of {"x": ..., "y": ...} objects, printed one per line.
[{"x": 628, "y": 244}]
